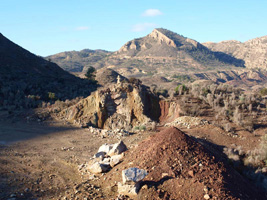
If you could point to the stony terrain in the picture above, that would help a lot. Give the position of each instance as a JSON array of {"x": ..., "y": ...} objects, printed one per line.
[
  {"x": 201, "y": 140},
  {"x": 45, "y": 163}
]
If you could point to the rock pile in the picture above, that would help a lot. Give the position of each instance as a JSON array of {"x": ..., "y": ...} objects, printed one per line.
[
  {"x": 187, "y": 121},
  {"x": 103, "y": 133},
  {"x": 108, "y": 156}
]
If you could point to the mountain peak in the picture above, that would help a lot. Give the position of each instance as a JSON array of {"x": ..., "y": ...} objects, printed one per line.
[{"x": 158, "y": 35}]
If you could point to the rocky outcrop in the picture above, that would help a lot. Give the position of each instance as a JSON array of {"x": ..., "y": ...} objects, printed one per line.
[
  {"x": 169, "y": 110},
  {"x": 122, "y": 105},
  {"x": 160, "y": 37}
]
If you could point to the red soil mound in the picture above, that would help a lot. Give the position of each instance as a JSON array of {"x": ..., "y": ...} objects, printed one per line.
[{"x": 181, "y": 168}]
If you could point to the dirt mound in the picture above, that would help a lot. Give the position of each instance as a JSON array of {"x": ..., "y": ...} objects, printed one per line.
[{"x": 180, "y": 168}]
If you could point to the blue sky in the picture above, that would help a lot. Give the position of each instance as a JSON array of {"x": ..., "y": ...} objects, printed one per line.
[{"x": 46, "y": 27}]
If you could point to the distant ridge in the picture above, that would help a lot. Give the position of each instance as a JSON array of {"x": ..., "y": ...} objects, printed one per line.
[
  {"x": 161, "y": 52},
  {"x": 253, "y": 52},
  {"x": 75, "y": 61}
]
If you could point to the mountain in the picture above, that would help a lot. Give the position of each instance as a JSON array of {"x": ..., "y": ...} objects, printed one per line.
[
  {"x": 26, "y": 79},
  {"x": 161, "y": 52},
  {"x": 75, "y": 61},
  {"x": 253, "y": 52}
]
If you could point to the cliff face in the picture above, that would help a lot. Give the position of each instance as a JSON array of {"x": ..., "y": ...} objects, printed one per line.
[
  {"x": 169, "y": 111},
  {"x": 122, "y": 105}
]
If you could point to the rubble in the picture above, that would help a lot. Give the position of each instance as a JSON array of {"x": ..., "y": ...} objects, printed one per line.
[
  {"x": 187, "y": 121},
  {"x": 108, "y": 156},
  {"x": 103, "y": 133}
]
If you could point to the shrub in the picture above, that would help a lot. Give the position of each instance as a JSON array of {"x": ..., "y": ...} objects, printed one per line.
[
  {"x": 51, "y": 96},
  {"x": 90, "y": 74},
  {"x": 135, "y": 81},
  {"x": 181, "y": 89},
  {"x": 263, "y": 91},
  {"x": 143, "y": 128}
]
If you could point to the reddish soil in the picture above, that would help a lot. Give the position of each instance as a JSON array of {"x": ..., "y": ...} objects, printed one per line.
[{"x": 180, "y": 168}]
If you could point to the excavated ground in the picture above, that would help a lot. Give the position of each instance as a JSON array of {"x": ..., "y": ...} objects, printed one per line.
[{"x": 41, "y": 160}]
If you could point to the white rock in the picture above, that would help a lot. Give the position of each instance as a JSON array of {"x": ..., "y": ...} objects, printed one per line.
[
  {"x": 105, "y": 148},
  {"x": 116, "y": 159},
  {"x": 117, "y": 149},
  {"x": 129, "y": 190},
  {"x": 98, "y": 167},
  {"x": 133, "y": 174}
]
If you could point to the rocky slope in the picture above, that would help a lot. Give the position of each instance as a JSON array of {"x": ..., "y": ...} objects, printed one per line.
[
  {"x": 253, "y": 52},
  {"x": 121, "y": 105},
  {"x": 26, "y": 78}
]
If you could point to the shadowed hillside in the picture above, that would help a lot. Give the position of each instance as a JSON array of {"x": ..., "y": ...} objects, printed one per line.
[{"x": 26, "y": 79}]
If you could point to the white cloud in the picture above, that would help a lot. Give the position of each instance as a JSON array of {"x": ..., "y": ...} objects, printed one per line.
[
  {"x": 143, "y": 27},
  {"x": 152, "y": 13},
  {"x": 81, "y": 28}
]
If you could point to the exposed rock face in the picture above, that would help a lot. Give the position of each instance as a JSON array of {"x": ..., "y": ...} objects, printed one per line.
[
  {"x": 119, "y": 106},
  {"x": 253, "y": 52},
  {"x": 169, "y": 110}
]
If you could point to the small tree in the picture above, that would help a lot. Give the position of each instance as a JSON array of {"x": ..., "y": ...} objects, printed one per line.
[{"x": 90, "y": 74}]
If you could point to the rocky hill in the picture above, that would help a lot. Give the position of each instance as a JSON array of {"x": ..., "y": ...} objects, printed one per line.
[
  {"x": 161, "y": 52},
  {"x": 26, "y": 79},
  {"x": 75, "y": 61},
  {"x": 253, "y": 52}
]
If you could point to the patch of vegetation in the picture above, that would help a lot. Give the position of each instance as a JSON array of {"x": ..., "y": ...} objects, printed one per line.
[
  {"x": 263, "y": 92},
  {"x": 90, "y": 74}
]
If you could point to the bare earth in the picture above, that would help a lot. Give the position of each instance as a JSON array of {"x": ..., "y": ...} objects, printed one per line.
[{"x": 41, "y": 159}]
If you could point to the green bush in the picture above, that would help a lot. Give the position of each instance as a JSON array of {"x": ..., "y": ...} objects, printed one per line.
[
  {"x": 263, "y": 91},
  {"x": 51, "y": 96},
  {"x": 90, "y": 74},
  {"x": 142, "y": 128}
]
